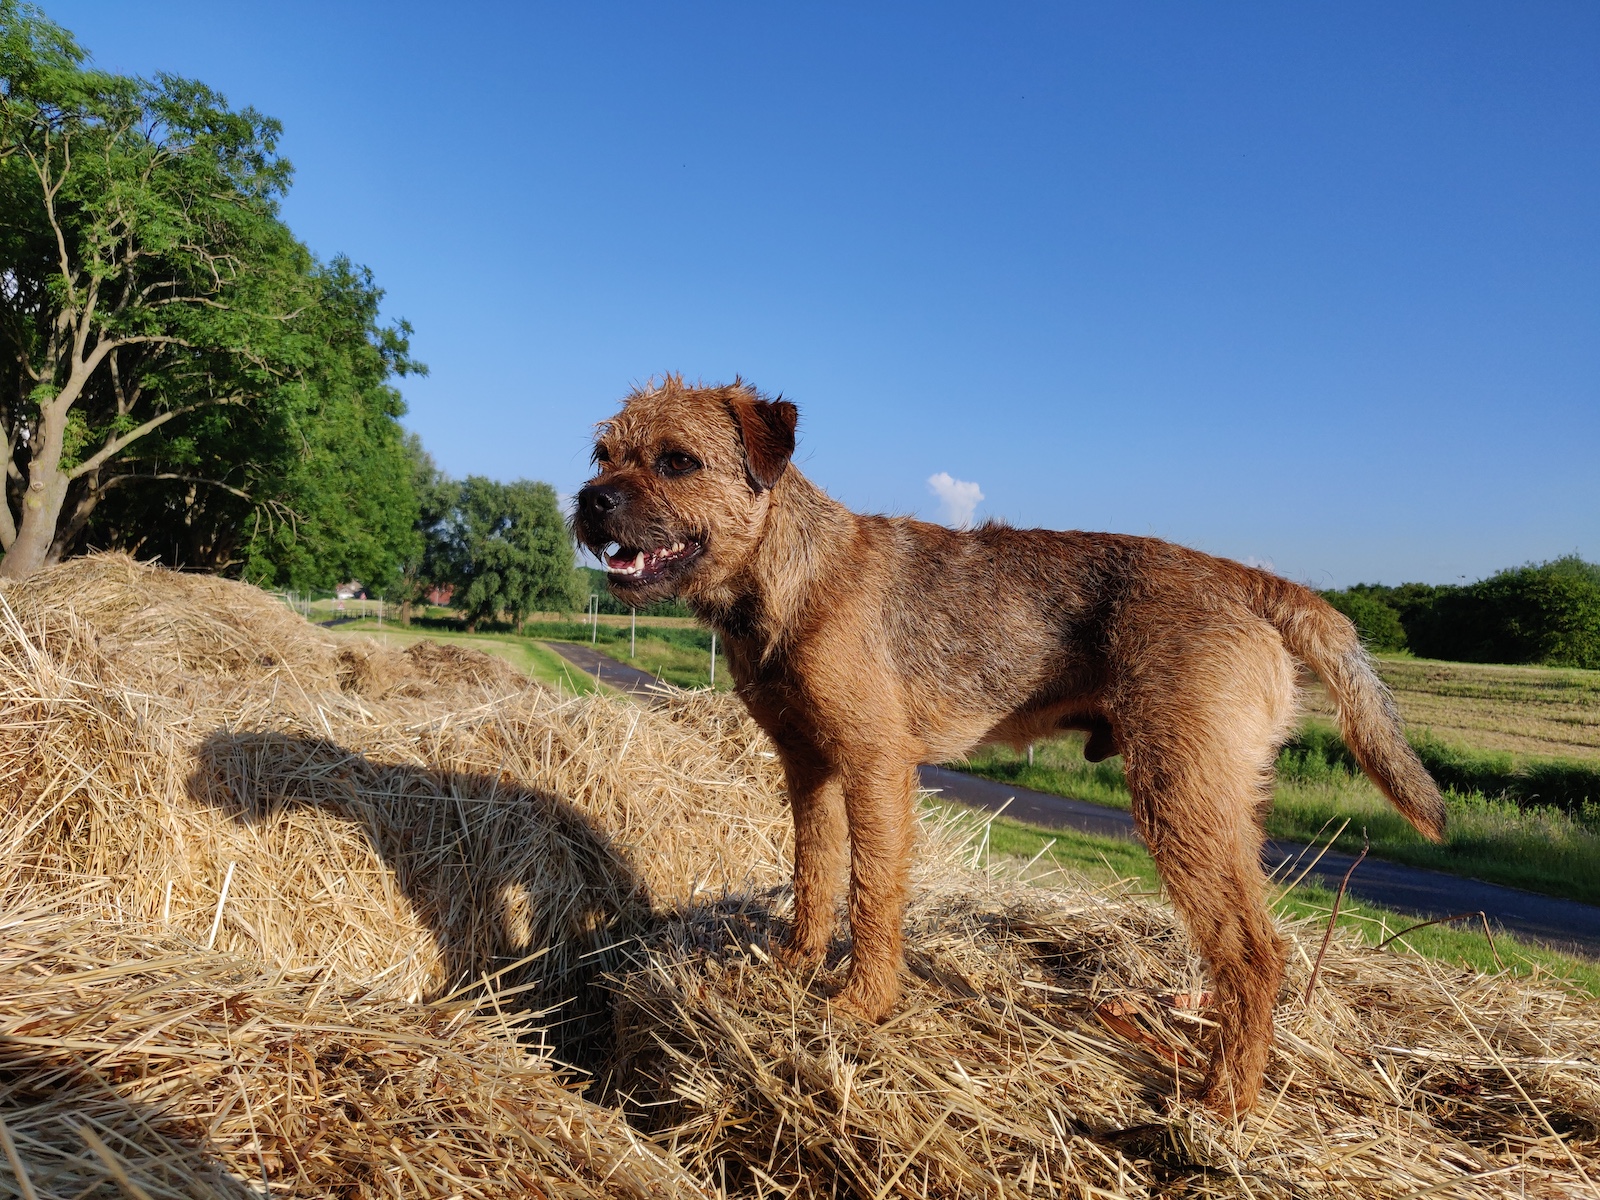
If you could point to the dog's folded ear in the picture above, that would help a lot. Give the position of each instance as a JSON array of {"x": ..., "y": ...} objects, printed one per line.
[{"x": 766, "y": 428}]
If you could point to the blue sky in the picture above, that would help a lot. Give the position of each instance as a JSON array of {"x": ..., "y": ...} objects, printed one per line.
[{"x": 1314, "y": 285}]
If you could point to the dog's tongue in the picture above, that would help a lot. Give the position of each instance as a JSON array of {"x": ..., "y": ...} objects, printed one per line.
[{"x": 621, "y": 562}]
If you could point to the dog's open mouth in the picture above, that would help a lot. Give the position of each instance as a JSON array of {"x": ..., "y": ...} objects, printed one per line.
[{"x": 631, "y": 564}]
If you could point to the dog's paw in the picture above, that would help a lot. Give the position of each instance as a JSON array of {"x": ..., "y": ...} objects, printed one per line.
[
  {"x": 870, "y": 1000},
  {"x": 1225, "y": 1099},
  {"x": 794, "y": 955}
]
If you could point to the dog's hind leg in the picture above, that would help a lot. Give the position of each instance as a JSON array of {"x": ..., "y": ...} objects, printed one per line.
[
  {"x": 1200, "y": 735},
  {"x": 1200, "y": 819},
  {"x": 821, "y": 839},
  {"x": 878, "y": 798}
]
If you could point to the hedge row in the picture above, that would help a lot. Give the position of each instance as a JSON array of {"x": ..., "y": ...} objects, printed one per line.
[{"x": 1546, "y": 613}]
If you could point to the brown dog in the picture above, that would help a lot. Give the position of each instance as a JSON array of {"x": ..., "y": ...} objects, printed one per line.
[{"x": 865, "y": 645}]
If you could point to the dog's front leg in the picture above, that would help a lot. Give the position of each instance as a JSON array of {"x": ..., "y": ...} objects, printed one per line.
[
  {"x": 820, "y": 838},
  {"x": 878, "y": 793}
]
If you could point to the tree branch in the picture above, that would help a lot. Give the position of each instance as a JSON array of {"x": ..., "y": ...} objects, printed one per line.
[
  {"x": 107, "y": 451},
  {"x": 216, "y": 483},
  {"x": 42, "y": 170}
]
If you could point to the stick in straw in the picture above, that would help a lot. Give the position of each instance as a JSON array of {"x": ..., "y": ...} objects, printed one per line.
[{"x": 216, "y": 921}]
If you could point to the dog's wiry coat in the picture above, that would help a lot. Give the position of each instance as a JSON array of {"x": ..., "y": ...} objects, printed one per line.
[{"x": 865, "y": 645}]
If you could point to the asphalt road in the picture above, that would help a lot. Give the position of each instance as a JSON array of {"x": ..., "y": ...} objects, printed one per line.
[
  {"x": 1560, "y": 924},
  {"x": 607, "y": 669}
]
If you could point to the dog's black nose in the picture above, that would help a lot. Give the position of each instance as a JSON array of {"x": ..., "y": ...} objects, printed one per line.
[{"x": 598, "y": 499}]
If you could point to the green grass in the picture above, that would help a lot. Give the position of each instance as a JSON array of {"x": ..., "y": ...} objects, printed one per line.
[
  {"x": 687, "y": 668},
  {"x": 1318, "y": 752},
  {"x": 1542, "y": 848},
  {"x": 679, "y": 654},
  {"x": 1114, "y": 862},
  {"x": 529, "y": 657}
]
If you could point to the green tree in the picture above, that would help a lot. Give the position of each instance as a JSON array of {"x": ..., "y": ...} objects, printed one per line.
[
  {"x": 509, "y": 551},
  {"x": 429, "y": 562},
  {"x": 178, "y": 376},
  {"x": 316, "y": 484},
  {"x": 1548, "y": 613},
  {"x": 340, "y": 469},
  {"x": 144, "y": 275},
  {"x": 1541, "y": 613}
]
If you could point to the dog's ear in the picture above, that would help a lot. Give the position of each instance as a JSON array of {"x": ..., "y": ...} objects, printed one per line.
[{"x": 766, "y": 428}]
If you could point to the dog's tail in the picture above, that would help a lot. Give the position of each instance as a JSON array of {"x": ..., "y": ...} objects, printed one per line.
[{"x": 1325, "y": 640}]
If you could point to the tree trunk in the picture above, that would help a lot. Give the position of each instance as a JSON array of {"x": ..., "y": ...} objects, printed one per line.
[
  {"x": 41, "y": 499},
  {"x": 48, "y": 484},
  {"x": 68, "y": 528},
  {"x": 41, "y": 509}
]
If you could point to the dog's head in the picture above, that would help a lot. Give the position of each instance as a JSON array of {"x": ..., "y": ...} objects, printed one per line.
[{"x": 684, "y": 486}]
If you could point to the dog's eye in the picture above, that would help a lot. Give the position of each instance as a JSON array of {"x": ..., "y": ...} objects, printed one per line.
[
  {"x": 676, "y": 462},
  {"x": 600, "y": 457}
]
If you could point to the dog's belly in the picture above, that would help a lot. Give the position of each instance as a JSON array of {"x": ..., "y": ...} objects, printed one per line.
[{"x": 1021, "y": 727}]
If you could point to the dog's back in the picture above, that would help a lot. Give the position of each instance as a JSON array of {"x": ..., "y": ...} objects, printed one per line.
[{"x": 1030, "y": 626}]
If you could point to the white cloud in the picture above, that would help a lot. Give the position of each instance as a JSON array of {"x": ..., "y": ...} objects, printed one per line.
[{"x": 957, "y": 497}]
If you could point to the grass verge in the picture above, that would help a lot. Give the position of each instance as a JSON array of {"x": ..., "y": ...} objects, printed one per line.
[
  {"x": 1113, "y": 861},
  {"x": 1543, "y": 848},
  {"x": 680, "y": 654}
]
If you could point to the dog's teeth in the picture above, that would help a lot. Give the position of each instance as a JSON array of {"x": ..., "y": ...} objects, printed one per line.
[{"x": 638, "y": 561}]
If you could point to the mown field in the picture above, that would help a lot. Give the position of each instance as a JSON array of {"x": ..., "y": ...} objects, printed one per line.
[{"x": 1538, "y": 712}]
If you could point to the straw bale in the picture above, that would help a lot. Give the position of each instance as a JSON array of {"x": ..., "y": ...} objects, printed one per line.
[
  {"x": 267, "y": 865},
  {"x": 412, "y": 821},
  {"x": 159, "y": 624},
  {"x": 128, "y": 1063},
  {"x": 1047, "y": 1039}
]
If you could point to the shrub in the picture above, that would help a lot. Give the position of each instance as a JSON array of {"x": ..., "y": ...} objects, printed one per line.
[
  {"x": 1377, "y": 623},
  {"x": 1548, "y": 613},
  {"x": 1541, "y": 613}
]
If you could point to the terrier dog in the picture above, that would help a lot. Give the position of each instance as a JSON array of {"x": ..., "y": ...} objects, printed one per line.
[{"x": 864, "y": 645}]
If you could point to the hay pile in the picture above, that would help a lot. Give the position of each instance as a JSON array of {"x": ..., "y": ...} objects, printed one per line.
[
  {"x": 1041, "y": 1046},
  {"x": 403, "y": 820},
  {"x": 132, "y": 1067},
  {"x": 291, "y": 915}
]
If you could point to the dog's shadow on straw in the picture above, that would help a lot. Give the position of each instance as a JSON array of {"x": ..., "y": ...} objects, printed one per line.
[{"x": 518, "y": 888}]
